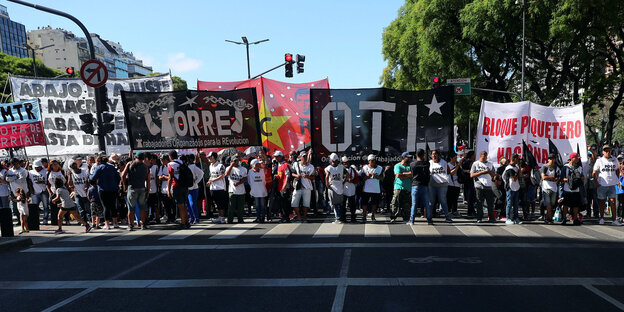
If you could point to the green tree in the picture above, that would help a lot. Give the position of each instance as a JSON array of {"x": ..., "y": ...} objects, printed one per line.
[
  {"x": 567, "y": 43},
  {"x": 179, "y": 84},
  {"x": 13, "y": 65}
]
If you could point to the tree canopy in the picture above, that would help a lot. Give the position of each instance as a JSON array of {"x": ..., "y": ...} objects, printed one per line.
[
  {"x": 13, "y": 65},
  {"x": 179, "y": 84},
  {"x": 574, "y": 52}
]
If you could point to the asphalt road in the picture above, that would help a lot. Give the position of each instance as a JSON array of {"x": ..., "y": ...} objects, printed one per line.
[{"x": 319, "y": 266}]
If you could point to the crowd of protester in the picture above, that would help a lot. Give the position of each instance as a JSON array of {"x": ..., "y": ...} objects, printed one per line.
[{"x": 150, "y": 188}]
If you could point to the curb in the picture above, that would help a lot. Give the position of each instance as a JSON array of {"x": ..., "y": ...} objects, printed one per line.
[{"x": 6, "y": 245}]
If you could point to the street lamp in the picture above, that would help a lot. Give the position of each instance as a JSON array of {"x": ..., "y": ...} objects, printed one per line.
[
  {"x": 247, "y": 43},
  {"x": 32, "y": 50},
  {"x": 523, "y": 62}
]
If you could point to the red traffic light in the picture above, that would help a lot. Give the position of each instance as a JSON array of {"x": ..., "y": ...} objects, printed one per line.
[
  {"x": 436, "y": 79},
  {"x": 69, "y": 70},
  {"x": 288, "y": 57}
]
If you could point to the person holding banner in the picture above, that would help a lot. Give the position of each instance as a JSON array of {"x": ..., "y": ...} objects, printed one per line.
[
  {"x": 401, "y": 200},
  {"x": 349, "y": 190},
  {"x": 371, "y": 173},
  {"x": 606, "y": 175},
  {"x": 334, "y": 180},
  {"x": 482, "y": 171},
  {"x": 438, "y": 185},
  {"x": 217, "y": 186},
  {"x": 237, "y": 176}
]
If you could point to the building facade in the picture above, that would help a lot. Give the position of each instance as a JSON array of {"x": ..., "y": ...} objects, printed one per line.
[{"x": 12, "y": 35}]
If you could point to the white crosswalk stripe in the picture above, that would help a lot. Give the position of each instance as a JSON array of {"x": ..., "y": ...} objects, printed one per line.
[
  {"x": 520, "y": 231},
  {"x": 182, "y": 234},
  {"x": 425, "y": 230},
  {"x": 569, "y": 232},
  {"x": 472, "y": 230},
  {"x": 378, "y": 229},
  {"x": 281, "y": 230},
  {"x": 234, "y": 231},
  {"x": 133, "y": 235},
  {"x": 328, "y": 230},
  {"x": 609, "y": 231},
  {"x": 82, "y": 237}
]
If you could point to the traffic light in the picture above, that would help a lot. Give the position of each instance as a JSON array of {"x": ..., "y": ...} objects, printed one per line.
[
  {"x": 87, "y": 123},
  {"x": 288, "y": 58},
  {"x": 435, "y": 81},
  {"x": 300, "y": 60},
  {"x": 107, "y": 118},
  {"x": 70, "y": 71}
]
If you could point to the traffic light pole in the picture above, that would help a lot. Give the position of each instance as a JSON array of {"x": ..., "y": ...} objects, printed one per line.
[
  {"x": 270, "y": 70},
  {"x": 98, "y": 95}
]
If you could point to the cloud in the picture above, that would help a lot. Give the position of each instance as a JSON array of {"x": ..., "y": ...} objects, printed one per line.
[
  {"x": 148, "y": 60},
  {"x": 181, "y": 63}
]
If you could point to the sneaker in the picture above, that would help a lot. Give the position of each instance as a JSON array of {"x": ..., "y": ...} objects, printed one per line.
[
  {"x": 430, "y": 222},
  {"x": 337, "y": 222},
  {"x": 492, "y": 220},
  {"x": 391, "y": 220},
  {"x": 22, "y": 232},
  {"x": 410, "y": 223},
  {"x": 517, "y": 221},
  {"x": 106, "y": 227},
  {"x": 479, "y": 221},
  {"x": 616, "y": 223},
  {"x": 58, "y": 231},
  {"x": 116, "y": 226},
  {"x": 87, "y": 228},
  {"x": 130, "y": 227},
  {"x": 509, "y": 221},
  {"x": 564, "y": 222},
  {"x": 601, "y": 221},
  {"x": 449, "y": 220},
  {"x": 373, "y": 218},
  {"x": 144, "y": 227}
]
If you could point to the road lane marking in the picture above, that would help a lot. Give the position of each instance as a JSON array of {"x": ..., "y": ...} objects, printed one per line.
[
  {"x": 607, "y": 231},
  {"x": 328, "y": 230},
  {"x": 472, "y": 230},
  {"x": 520, "y": 231},
  {"x": 557, "y": 245},
  {"x": 373, "y": 229},
  {"x": 82, "y": 237},
  {"x": 341, "y": 288},
  {"x": 282, "y": 230},
  {"x": 425, "y": 230},
  {"x": 604, "y": 296},
  {"x": 234, "y": 231},
  {"x": 568, "y": 232}
]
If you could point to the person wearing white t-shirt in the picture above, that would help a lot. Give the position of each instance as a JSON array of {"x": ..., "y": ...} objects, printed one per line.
[
  {"x": 38, "y": 178},
  {"x": 571, "y": 193},
  {"x": 438, "y": 184},
  {"x": 152, "y": 197},
  {"x": 482, "y": 171},
  {"x": 257, "y": 188},
  {"x": 371, "y": 173},
  {"x": 334, "y": 180},
  {"x": 606, "y": 176},
  {"x": 550, "y": 177},
  {"x": 216, "y": 183},
  {"x": 349, "y": 189},
  {"x": 303, "y": 174},
  {"x": 237, "y": 175},
  {"x": 510, "y": 178},
  {"x": 78, "y": 182},
  {"x": 6, "y": 219}
]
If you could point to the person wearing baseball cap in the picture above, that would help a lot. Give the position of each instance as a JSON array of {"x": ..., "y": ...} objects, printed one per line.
[
  {"x": 572, "y": 178},
  {"x": 303, "y": 174},
  {"x": 350, "y": 183},
  {"x": 371, "y": 173},
  {"x": 38, "y": 178},
  {"x": 401, "y": 199},
  {"x": 334, "y": 180},
  {"x": 606, "y": 177},
  {"x": 550, "y": 177}
]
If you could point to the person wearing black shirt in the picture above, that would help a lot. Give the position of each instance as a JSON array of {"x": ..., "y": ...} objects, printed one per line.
[
  {"x": 420, "y": 183},
  {"x": 469, "y": 190}
]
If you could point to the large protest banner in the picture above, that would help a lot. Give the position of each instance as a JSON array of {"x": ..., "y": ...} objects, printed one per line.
[
  {"x": 20, "y": 124},
  {"x": 384, "y": 122},
  {"x": 284, "y": 109},
  {"x": 191, "y": 119},
  {"x": 503, "y": 127},
  {"x": 63, "y": 100}
]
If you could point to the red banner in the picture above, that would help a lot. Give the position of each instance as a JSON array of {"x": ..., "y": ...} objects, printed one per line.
[
  {"x": 284, "y": 109},
  {"x": 25, "y": 134}
]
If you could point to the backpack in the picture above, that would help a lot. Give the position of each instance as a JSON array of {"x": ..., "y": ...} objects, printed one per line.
[
  {"x": 574, "y": 179},
  {"x": 185, "y": 175},
  {"x": 536, "y": 177}
]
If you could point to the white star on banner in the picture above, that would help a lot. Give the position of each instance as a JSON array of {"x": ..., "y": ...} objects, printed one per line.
[{"x": 434, "y": 106}]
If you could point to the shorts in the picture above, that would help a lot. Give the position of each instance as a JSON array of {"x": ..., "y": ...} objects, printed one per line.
[
  {"x": 303, "y": 196},
  {"x": 180, "y": 195},
  {"x": 97, "y": 210},
  {"x": 372, "y": 197},
  {"x": 572, "y": 199},
  {"x": 605, "y": 192},
  {"x": 136, "y": 196},
  {"x": 550, "y": 198}
]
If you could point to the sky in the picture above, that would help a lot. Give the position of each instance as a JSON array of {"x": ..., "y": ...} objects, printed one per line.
[{"x": 341, "y": 40}]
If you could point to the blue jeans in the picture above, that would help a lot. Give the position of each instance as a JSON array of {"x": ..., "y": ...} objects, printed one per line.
[
  {"x": 191, "y": 205},
  {"x": 513, "y": 199},
  {"x": 420, "y": 195},
  {"x": 42, "y": 198},
  {"x": 437, "y": 194},
  {"x": 84, "y": 207},
  {"x": 260, "y": 205}
]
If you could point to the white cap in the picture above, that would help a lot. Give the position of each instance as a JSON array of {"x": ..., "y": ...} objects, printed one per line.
[
  {"x": 253, "y": 162},
  {"x": 38, "y": 163},
  {"x": 345, "y": 159},
  {"x": 278, "y": 153},
  {"x": 371, "y": 157},
  {"x": 334, "y": 157}
]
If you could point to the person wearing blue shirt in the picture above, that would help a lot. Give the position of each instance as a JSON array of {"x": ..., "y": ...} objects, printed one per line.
[
  {"x": 108, "y": 179},
  {"x": 619, "y": 190}
]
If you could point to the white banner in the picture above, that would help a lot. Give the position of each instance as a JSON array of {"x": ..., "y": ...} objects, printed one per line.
[
  {"x": 63, "y": 100},
  {"x": 503, "y": 126}
]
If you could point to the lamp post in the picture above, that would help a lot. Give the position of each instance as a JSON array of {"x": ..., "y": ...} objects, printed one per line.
[
  {"x": 247, "y": 43},
  {"x": 523, "y": 26},
  {"x": 32, "y": 50}
]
